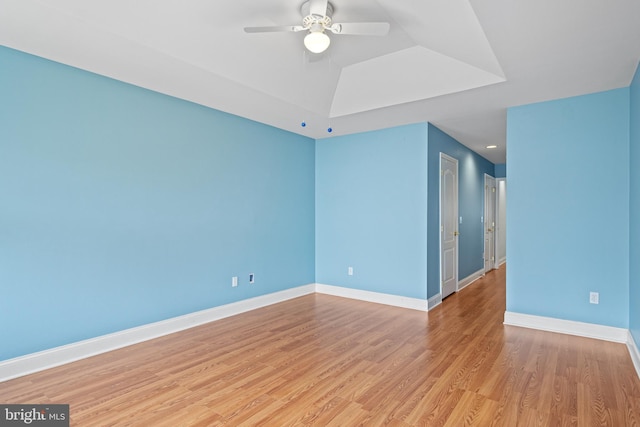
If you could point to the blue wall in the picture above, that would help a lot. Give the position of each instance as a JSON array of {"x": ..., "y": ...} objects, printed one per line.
[
  {"x": 120, "y": 206},
  {"x": 568, "y": 221},
  {"x": 500, "y": 171},
  {"x": 471, "y": 170},
  {"x": 371, "y": 199},
  {"x": 372, "y": 192},
  {"x": 634, "y": 215}
]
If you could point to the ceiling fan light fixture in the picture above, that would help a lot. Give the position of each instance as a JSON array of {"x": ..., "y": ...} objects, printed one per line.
[{"x": 317, "y": 41}]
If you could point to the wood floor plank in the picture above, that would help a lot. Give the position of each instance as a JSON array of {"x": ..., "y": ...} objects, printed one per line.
[{"x": 329, "y": 361}]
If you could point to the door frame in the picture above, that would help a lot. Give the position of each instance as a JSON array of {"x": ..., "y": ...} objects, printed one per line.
[
  {"x": 501, "y": 222},
  {"x": 490, "y": 208},
  {"x": 440, "y": 224}
]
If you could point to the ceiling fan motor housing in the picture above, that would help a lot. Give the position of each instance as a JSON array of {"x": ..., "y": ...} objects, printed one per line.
[{"x": 310, "y": 19}]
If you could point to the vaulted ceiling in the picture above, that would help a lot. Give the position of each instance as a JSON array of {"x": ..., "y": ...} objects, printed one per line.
[{"x": 455, "y": 63}]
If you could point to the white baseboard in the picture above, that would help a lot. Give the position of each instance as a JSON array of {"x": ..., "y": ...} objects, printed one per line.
[
  {"x": 380, "y": 298},
  {"x": 470, "y": 279},
  {"x": 434, "y": 301},
  {"x": 633, "y": 352},
  {"x": 35, "y": 362},
  {"x": 570, "y": 327}
]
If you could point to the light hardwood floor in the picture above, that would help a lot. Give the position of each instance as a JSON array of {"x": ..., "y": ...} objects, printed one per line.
[{"x": 323, "y": 360}]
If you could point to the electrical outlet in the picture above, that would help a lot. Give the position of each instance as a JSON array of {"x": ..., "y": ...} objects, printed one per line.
[
  {"x": 350, "y": 271},
  {"x": 594, "y": 297},
  {"x": 234, "y": 281},
  {"x": 251, "y": 278}
]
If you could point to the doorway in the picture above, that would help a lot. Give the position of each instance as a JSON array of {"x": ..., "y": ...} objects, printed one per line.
[
  {"x": 489, "y": 224},
  {"x": 448, "y": 225},
  {"x": 501, "y": 222}
]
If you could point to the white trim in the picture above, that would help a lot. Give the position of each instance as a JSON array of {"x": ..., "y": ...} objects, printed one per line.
[
  {"x": 570, "y": 327},
  {"x": 57, "y": 356},
  {"x": 470, "y": 279},
  {"x": 501, "y": 223},
  {"x": 434, "y": 301},
  {"x": 380, "y": 298},
  {"x": 633, "y": 352},
  {"x": 35, "y": 362},
  {"x": 487, "y": 180}
]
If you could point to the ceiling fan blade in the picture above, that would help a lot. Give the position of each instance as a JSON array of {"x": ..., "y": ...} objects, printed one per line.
[
  {"x": 318, "y": 7},
  {"x": 361, "y": 28},
  {"x": 276, "y": 29}
]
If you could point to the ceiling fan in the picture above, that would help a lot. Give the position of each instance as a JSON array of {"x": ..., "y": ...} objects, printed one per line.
[{"x": 317, "y": 19}]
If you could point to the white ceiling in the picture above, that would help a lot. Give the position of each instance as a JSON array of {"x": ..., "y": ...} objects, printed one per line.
[{"x": 455, "y": 63}]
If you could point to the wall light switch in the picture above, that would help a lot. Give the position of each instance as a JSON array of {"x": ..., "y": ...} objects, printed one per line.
[
  {"x": 350, "y": 271},
  {"x": 234, "y": 281},
  {"x": 594, "y": 297}
]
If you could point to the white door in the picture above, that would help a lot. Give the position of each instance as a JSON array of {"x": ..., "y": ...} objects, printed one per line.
[
  {"x": 489, "y": 223},
  {"x": 448, "y": 225},
  {"x": 501, "y": 222}
]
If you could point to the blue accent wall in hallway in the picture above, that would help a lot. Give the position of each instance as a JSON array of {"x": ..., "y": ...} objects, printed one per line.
[
  {"x": 471, "y": 170},
  {"x": 568, "y": 208},
  {"x": 120, "y": 206}
]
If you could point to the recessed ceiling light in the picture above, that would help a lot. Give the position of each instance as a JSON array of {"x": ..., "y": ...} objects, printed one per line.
[{"x": 492, "y": 146}]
